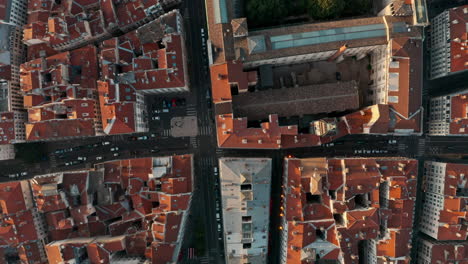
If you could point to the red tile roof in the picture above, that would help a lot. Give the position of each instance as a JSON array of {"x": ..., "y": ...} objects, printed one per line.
[
  {"x": 407, "y": 56},
  {"x": 453, "y": 214},
  {"x": 459, "y": 114},
  {"x": 148, "y": 202},
  {"x": 120, "y": 61},
  {"x": 448, "y": 252},
  {"x": 336, "y": 185},
  {"x": 7, "y": 127},
  {"x": 57, "y": 95},
  {"x": 459, "y": 38},
  {"x": 12, "y": 198}
]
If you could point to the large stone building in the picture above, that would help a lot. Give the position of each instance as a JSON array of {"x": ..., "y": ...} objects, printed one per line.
[
  {"x": 448, "y": 115},
  {"x": 239, "y": 57},
  {"x": 245, "y": 193},
  {"x": 449, "y": 42},
  {"x": 12, "y": 53},
  {"x": 444, "y": 209}
]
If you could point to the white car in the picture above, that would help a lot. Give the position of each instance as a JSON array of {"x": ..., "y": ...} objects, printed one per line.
[
  {"x": 82, "y": 158},
  {"x": 116, "y": 154},
  {"x": 155, "y": 118},
  {"x": 24, "y": 173},
  {"x": 105, "y": 143},
  {"x": 115, "y": 149},
  {"x": 98, "y": 158}
]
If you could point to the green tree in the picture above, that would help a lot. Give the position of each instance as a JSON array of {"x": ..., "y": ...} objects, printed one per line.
[
  {"x": 323, "y": 9},
  {"x": 358, "y": 7},
  {"x": 265, "y": 12}
]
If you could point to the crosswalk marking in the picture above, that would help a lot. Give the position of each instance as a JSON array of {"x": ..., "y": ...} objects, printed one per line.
[
  {"x": 204, "y": 260},
  {"x": 191, "y": 111},
  {"x": 166, "y": 132},
  {"x": 421, "y": 146},
  {"x": 204, "y": 130},
  {"x": 53, "y": 160},
  {"x": 193, "y": 142}
]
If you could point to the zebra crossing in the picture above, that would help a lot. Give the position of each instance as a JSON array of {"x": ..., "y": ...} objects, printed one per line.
[
  {"x": 53, "y": 160},
  {"x": 194, "y": 142},
  {"x": 207, "y": 162},
  {"x": 191, "y": 111},
  {"x": 421, "y": 147},
  {"x": 204, "y": 130},
  {"x": 166, "y": 132}
]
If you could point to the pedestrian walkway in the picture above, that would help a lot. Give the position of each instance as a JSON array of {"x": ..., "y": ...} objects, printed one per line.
[
  {"x": 421, "y": 146},
  {"x": 53, "y": 160},
  {"x": 194, "y": 142},
  {"x": 204, "y": 130},
  {"x": 191, "y": 111},
  {"x": 166, "y": 132}
]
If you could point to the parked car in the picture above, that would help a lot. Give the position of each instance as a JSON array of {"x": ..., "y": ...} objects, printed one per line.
[
  {"x": 338, "y": 76},
  {"x": 143, "y": 138},
  {"x": 116, "y": 154},
  {"x": 181, "y": 101},
  {"x": 174, "y": 102},
  {"x": 156, "y": 118},
  {"x": 114, "y": 149},
  {"x": 98, "y": 158},
  {"x": 105, "y": 143},
  {"x": 82, "y": 158}
]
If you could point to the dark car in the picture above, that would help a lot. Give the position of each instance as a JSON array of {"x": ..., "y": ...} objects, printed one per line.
[
  {"x": 338, "y": 76},
  {"x": 181, "y": 101}
]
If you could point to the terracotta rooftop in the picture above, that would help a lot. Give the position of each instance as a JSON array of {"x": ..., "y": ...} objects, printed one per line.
[
  {"x": 134, "y": 63},
  {"x": 405, "y": 83},
  {"x": 451, "y": 213},
  {"x": 331, "y": 204},
  {"x": 58, "y": 96},
  {"x": 459, "y": 114},
  {"x": 459, "y": 38},
  {"x": 94, "y": 213},
  {"x": 443, "y": 252}
]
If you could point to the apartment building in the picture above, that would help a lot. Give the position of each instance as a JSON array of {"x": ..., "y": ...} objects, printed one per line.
[
  {"x": 444, "y": 214},
  {"x": 245, "y": 194},
  {"x": 448, "y": 115},
  {"x": 449, "y": 42}
]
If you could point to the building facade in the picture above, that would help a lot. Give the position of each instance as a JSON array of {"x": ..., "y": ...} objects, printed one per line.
[
  {"x": 449, "y": 42},
  {"x": 448, "y": 115},
  {"x": 245, "y": 191},
  {"x": 445, "y": 188}
]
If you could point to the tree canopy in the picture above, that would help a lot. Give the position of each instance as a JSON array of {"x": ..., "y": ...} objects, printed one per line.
[
  {"x": 274, "y": 12},
  {"x": 323, "y": 9}
]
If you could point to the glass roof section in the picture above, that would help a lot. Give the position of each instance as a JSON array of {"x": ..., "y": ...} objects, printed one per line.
[
  {"x": 327, "y": 35},
  {"x": 220, "y": 11}
]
